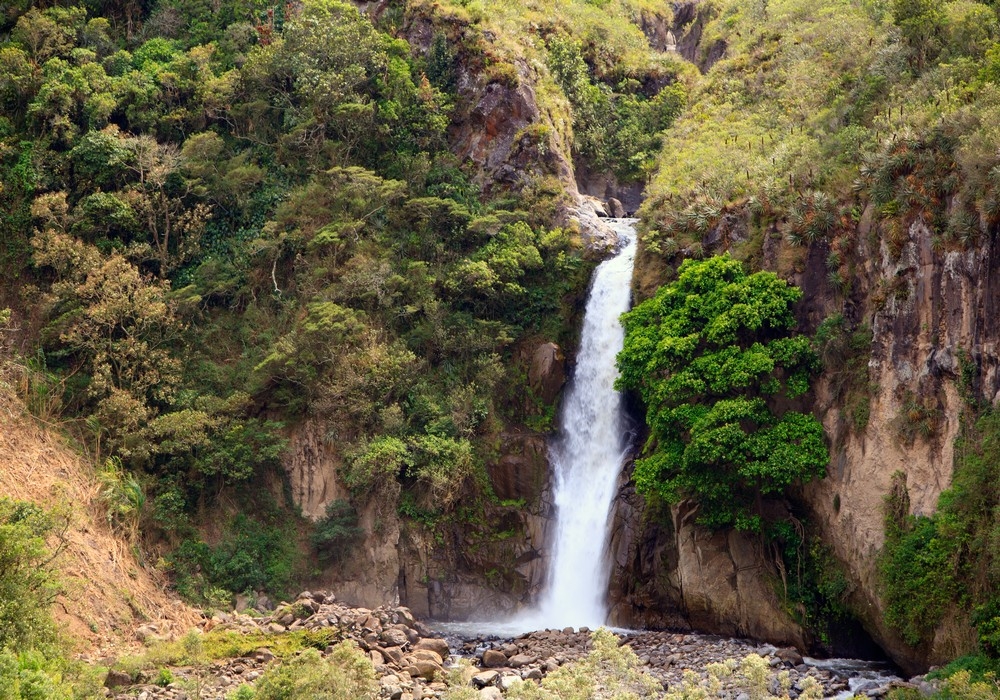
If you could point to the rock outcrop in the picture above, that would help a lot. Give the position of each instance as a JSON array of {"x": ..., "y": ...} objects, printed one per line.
[
  {"x": 454, "y": 571},
  {"x": 669, "y": 572},
  {"x": 926, "y": 308}
]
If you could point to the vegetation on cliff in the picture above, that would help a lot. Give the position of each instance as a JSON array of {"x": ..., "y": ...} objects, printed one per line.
[
  {"x": 711, "y": 354},
  {"x": 225, "y": 221},
  {"x": 823, "y": 133}
]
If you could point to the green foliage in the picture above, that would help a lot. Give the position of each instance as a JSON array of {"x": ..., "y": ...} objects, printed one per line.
[
  {"x": 917, "y": 418},
  {"x": 706, "y": 355},
  {"x": 844, "y": 353},
  {"x": 814, "y": 585},
  {"x": 617, "y": 129},
  {"x": 27, "y": 583},
  {"x": 336, "y": 532},
  {"x": 345, "y": 674},
  {"x": 124, "y": 498},
  {"x": 32, "y": 665},
  {"x": 32, "y": 675},
  {"x": 933, "y": 565},
  {"x": 231, "y": 216},
  {"x": 918, "y": 568},
  {"x": 196, "y": 648},
  {"x": 164, "y": 678},
  {"x": 251, "y": 556}
]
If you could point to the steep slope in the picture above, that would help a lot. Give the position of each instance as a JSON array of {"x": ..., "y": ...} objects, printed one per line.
[{"x": 107, "y": 594}]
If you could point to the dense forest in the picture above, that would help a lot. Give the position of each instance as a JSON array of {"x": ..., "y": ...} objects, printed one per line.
[{"x": 223, "y": 221}]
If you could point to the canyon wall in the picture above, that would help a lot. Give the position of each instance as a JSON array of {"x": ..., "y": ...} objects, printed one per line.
[{"x": 930, "y": 316}]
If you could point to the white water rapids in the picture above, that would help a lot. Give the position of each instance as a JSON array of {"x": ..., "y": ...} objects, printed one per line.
[{"x": 589, "y": 453}]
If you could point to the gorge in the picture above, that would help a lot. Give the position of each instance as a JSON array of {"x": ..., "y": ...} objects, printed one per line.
[{"x": 302, "y": 296}]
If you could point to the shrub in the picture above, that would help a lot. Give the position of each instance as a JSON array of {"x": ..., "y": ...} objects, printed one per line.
[
  {"x": 610, "y": 670},
  {"x": 27, "y": 584},
  {"x": 337, "y": 531},
  {"x": 252, "y": 556},
  {"x": 346, "y": 674}
]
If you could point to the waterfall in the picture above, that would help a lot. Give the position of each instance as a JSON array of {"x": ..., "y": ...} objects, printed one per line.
[{"x": 589, "y": 452}]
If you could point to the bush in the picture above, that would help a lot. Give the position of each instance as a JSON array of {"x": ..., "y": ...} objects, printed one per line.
[
  {"x": 610, "y": 670},
  {"x": 337, "y": 531},
  {"x": 27, "y": 584},
  {"x": 252, "y": 556},
  {"x": 346, "y": 674}
]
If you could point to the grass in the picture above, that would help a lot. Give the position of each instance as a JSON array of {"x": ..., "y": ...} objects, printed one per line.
[{"x": 196, "y": 648}]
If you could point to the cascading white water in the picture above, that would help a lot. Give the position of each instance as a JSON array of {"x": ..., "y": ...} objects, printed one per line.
[{"x": 587, "y": 457}]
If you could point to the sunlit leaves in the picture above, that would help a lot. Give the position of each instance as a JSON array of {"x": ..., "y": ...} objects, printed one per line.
[{"x": 708, "y": 355}]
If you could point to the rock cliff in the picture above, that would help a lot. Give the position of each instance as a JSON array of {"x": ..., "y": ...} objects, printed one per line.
[{"x": 929, "y": 314}]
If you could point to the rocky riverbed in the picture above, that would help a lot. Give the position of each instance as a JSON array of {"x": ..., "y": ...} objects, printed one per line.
[{"x": 415, "y": 662}]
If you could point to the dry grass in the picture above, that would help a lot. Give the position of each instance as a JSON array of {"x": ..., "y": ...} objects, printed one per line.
[{"x": 108, "y": 593}]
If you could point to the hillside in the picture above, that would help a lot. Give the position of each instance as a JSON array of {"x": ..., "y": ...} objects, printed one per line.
[
  {"x": 303, "y": 281},
  {"x": 106, "y": 594}
]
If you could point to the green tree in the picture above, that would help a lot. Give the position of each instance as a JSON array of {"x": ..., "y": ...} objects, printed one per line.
[
  {"x": 713, "y": 356},
  {"x": 112, "y": 324},
  {"x": 922, "y": 23},
  {"x": 27, "y": 586}
]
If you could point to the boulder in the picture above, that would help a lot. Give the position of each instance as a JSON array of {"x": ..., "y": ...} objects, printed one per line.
[
  {"x": 789, "y": 655},
  {"x": 494, "y": 659},
  {"x": 427, "y": 655},
  {"x": 547, "y": 371},
  {"x": 394, "y": 637},
  {"x": 520, "y": 660},
  {"x": 481, "y": 680},
  {"x": 117, "y": 679},
  {"x": 148, "y": 634},
  {"x": 508, "y": 682},
  {"x": 427, "y": 670},
  {"x": 405, "y": 616},
  {"x": 615, "y": 208},
  {"x": 438, "y": 646},
  {"x": 490, "y": 692}
]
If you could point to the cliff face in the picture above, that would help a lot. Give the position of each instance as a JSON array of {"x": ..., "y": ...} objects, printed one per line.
[
  {"x": 509, "y": 139},
  {"x": 927, "y": 309},
  {"x": 454, "y": 570},
  {"x": 669, "y": 572},
  {"x": 938, "y": 311}
]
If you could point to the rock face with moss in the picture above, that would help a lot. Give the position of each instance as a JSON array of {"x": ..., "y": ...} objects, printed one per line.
[
  {"x": 892, "y": 405},
  {"x": 880, "y": 209},
  {"x": 512, "y": 127}
]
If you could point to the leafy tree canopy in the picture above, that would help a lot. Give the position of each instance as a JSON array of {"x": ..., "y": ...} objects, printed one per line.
[{"x": 715, "y": 361}]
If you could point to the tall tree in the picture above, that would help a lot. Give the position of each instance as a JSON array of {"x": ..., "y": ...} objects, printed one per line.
[{"x": 715, "y": 361}]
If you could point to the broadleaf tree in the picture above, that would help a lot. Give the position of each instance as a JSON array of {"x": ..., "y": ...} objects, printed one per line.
[{"x": 715, "y": 359}]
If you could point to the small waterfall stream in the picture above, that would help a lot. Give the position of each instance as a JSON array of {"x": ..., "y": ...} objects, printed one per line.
[{"x": 588, "y": 455}]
